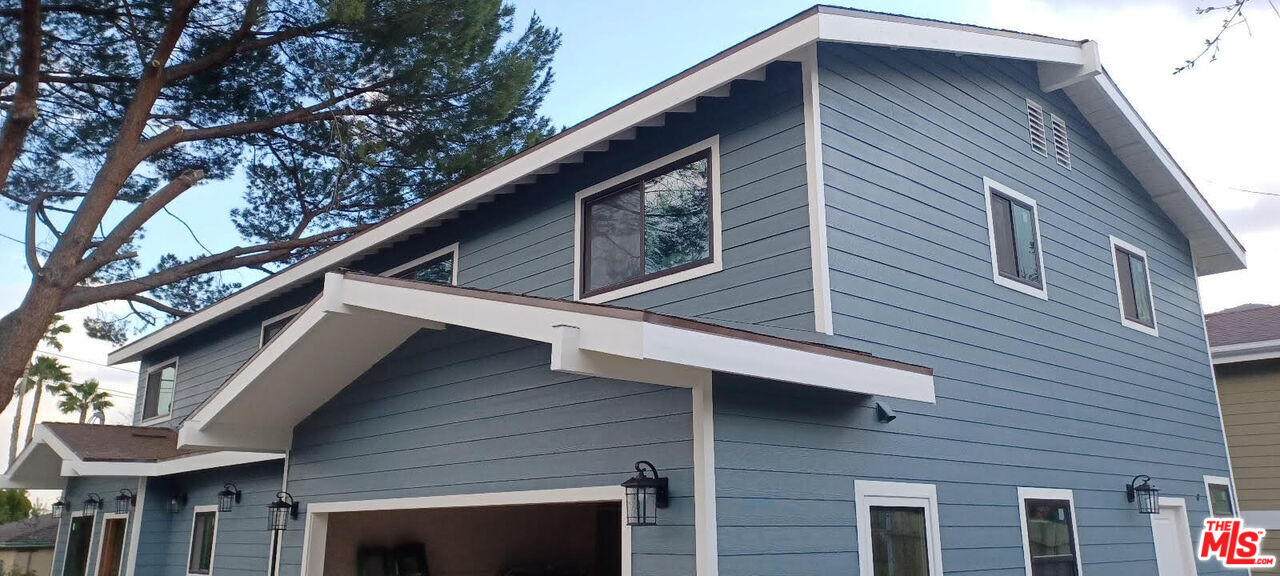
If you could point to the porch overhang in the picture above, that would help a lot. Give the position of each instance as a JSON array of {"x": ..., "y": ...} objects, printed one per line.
[
  {"x": 59, "y": 451},
  {"x": 359, "y": 319}
]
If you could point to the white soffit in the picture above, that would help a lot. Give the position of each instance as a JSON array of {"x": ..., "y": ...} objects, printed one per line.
[
  {"x": 304, "y": 367},
  {"x": 1070, "y": 65}
]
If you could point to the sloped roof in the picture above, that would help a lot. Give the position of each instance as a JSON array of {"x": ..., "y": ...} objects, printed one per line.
[
  {"x": 1072, "y": 66},
  {"x": 106, "y": 443},
  {"x": 1243, "y": 324},
  {"x": 38, "y": 532}
]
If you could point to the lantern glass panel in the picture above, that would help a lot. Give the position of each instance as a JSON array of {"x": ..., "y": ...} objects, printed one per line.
[
  {"x": 1148, "y": 499},
  {"x": 278, "y": 517},
  {"x": 122, "y": 504},
  {"x": 90, "y": 507},
  {"x": 642, "y": 505},
  {"x": 175, "y": 505},
  {"x": 58, "y": 508},
  {"x": 225, "y": 499}
]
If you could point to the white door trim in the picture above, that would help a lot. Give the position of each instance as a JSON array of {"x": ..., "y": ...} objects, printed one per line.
[
  {"x": 317, "y": 523},
  {"x": 1182, "y": 526},
  {"x": 100, "y": 535}
]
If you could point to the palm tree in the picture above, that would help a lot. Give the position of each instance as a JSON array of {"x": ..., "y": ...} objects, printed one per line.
[
  {"x": 56, "y": 329},
  {"x": 44, "y": 372},
  {"x": 82, "y": 397},
  {"x": 20, "y": 391}
]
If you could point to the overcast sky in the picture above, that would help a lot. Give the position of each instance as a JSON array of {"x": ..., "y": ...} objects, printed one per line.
[{"x": 1215, "y": 119}]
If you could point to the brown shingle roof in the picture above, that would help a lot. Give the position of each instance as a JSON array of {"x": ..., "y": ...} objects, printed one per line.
[
  {"x": 99, "y": 442},
  {"x": 1243, "y": 324}
]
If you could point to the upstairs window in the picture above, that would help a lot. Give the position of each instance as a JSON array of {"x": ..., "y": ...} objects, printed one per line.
[
  {"x": 439, "y": 267},
  {"x": 1013, "y": 225},
  {"x": 1133, "y": 284},
  {"x": 1049, "y": 532},
  {"x": 1035, "y": 124},
  {"x": 654, "y": 226},
  {"x": 158, "y": 397},
  {"x": 273, "y": 326},
  {"x": 898, "y": 529},
  {"x": 1218, "y": 490}
]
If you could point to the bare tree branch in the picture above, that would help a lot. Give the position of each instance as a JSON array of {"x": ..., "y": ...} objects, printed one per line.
[
  {"x": 158, "y": 305},
  {"x": 130, "y": 224},
  {"x": 22, "y": 111}
]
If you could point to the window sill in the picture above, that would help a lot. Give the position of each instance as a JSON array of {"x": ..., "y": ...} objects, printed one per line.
[
  {"x": 161, "y": 419},
  {"x": 1152, "y": 330},
  {"x": 655, "y": 283},
  {"x": 1041, "y": 293}
]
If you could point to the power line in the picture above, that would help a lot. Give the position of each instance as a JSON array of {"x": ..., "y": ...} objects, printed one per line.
[{"x": 85, "y": 361}]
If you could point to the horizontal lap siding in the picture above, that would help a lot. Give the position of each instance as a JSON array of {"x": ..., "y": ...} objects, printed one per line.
[
  {"x": 1030, "y": 393},
  {"x": 77, "y": 491},
  {"x": 243, "y": 542},
  {"x": 1250, "y": 393},
  {"x": 459, "y": 411}
]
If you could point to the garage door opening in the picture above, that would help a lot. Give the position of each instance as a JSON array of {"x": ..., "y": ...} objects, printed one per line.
[{"x": 549, "y": 539}]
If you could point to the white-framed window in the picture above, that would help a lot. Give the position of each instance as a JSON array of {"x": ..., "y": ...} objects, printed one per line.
[
  {"x": 273, "y": 326},
  {"x": 157, "y": 394},
  {"x": 1133, "y": 287},
  {"x": 438, "y": 267},
  {"x": 898, "y": 528},
  {"x": 1050, "y": 539},
  {"x": 653, "y": 226},
  {"x": 204, "y": 538},
  {"x": 1221, "y": 496},
  {"x": 1013, "y": 227}
]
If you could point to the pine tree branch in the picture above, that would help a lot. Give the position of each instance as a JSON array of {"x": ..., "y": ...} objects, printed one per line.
[
  {"x": 124, "y": 230},
  {"x": 158, "y": 305},
  {"x": 22, "y": 111}
]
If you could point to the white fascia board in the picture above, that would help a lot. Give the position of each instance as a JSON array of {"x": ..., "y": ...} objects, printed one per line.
[
  {"x": 1233, "y": 255},
  {"x": 747, "y": 358},
  {"x": 174, "y": 466},
  {"x": 898, "y": 32},
  {"x": 1245, "y": 352}
]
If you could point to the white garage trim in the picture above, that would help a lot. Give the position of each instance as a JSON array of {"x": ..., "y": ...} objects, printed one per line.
[{"x": 317, "y": 523}]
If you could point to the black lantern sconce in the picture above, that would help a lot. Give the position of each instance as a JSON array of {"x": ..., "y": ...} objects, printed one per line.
[
  {"x": 92, "y": 504},
  {"x": 126, "y": 501},
  {"x": 1148, "y": 496},
  {"x": 176, "y": 503},
  {"x": 645, "y": 495},
  {"x": 59, "y": 507},
  {"x": 229, "y": 495},
  {"x": 280, "y": 511}
]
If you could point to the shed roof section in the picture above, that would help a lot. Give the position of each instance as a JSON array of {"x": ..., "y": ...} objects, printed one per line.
[
  {"x": 1072, "y": 66},
  {"x": 1244, "y": 333}
]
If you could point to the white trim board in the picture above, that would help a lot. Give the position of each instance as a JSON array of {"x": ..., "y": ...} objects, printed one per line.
[
  {"x": 1024, "y": 494},
  {"x": 1068, "y": 65},
  {"x": 704, "y": 481},
  {"x": 317, "y": 514},
  {"x": 868, "y": 493},
  {"x": 823, "y": 319},
  {"x": 1154, "y": 328},
  {"x": 989, "y": 185},
  {"x": 1268, "y": 519},
  {"x": 712, "y": 145},
  {"x": 1245, "y": 352},
  {"x": 100, "y": 537},
  {"x": 135, "y": 528}
]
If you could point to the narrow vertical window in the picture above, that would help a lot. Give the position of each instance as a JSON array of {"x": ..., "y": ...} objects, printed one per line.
[
  {"x": 1218, "y": 490},
  {"x": 1133, "y": 286},
  {"x": 204, "y": 528},
  {"x": 1014, "y": 230},
  {"x": 1049, "y": 532},
  {"x": 1061, "y": 142},
  {"x": 898, "y": 529},
  {"x": 1035, "y": 124},
  {"x": 158, "y": 396}
]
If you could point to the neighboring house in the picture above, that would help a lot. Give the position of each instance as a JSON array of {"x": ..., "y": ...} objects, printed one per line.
[
  {"x": 1245, "y": 344},
  {"x": 873, "y": 294},
  {"x": 26, "y": 546}
]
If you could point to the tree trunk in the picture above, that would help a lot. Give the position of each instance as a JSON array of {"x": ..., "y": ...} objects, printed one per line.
[
  {"x": 17, "y": 425},
  {"x": 21, "y": 331},
  {"x": 35, "y": 410},
  {"x": 84, "y": 414}
]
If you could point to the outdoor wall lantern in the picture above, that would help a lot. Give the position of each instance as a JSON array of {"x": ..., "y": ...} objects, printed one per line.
[
  {"x": 176, "y": 503},
  {"x": 645, "y": 496},
  {"x": 1148, "y": 496},
  {"x": 280, "y": 511},
  {"x": 59, "y": 507},
  {"x": 229, "y": 495},
  {"x": 125, "y": 501},
  {"x": 92, "y": 504}
]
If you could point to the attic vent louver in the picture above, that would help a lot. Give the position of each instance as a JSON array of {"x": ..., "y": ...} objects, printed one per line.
[
  {"x": 1035, "y": 122},
  {"x": 1061, "y": 145}
]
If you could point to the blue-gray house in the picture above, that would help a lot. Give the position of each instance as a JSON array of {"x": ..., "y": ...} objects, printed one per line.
[{"x": 863, "y": 294}]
